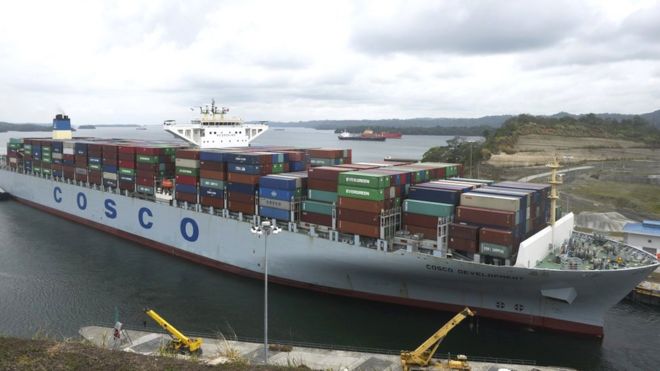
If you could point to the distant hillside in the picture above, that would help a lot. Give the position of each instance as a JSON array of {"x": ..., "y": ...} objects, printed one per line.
[
  {"x": 491, "y": 121},
  {"x": 5, "y": 127},
  {"x": 635, "y": 129}
]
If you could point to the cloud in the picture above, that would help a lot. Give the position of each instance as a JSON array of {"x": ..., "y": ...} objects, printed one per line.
[{"x": 467, "y": 27}]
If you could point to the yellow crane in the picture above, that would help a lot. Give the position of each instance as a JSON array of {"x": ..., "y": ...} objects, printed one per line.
[
  {"x": 422, "y": 357},
  {"x": 180, "y": 342}
]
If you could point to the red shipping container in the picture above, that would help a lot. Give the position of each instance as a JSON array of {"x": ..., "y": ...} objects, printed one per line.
[
  {"x": 243, "y": 178},
  {"x": 326, "y": 153},
  {"x": 358, "y": 228},
  {"x": 245, "y": 208},
  {"x": 314, "y": 218},
  {"x": 322, "y": 185},
  {"x": 460, "y": 244},
  {"x": 129, "y": 186},
  {"x": 212, "y": 174},
  {"x": 145, "y": 173},
  {"x": 425, "y": 221},
  {"x": 212, "y": 165},
  {"x": 186, "y": 179},
  {"x": 110, "y": 149},
  {"x": 498, "y": 218},
  {"x": 326, "y": 173},
  {"x": 126, "y": 156},
  {"x": 365, "y": 205},
  {"x": 295, "y": 155},
  {"x": 241, "y": 197},
  {"x": 464, "y": 231},
  {"x": 497, "y": 236},
  {"x": 144, "y": 181},
  {"x": 363, "y": 217},
  {"x": 428, "y": 233},
  {"x": 189, "y": 154},
  {"x": 217, "y": 203},
  {"x": 191, "y": 198},
  {"x": 126, "y": 164},
  {"x": 124, "y": 149},
  {"x": 146, "y": 166},
  {"x": 150, "y": 151}
]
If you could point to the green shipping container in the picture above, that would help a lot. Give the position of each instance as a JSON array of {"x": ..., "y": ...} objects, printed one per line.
[
  {"x": 187, "y": 171},
  {"x": 356, "y": 178},
  {"x": 46, "y": 160},
  {"x": 28, "y": 147},
  {"x": 277, "y": 168},
  {"x": 212, "y": 183},
  {"x": 498, "y": 251},
  {"x": 36, "y": 170},
  {"x": 14, "y": 145},
  {"x": 145, "y": 189},
  {"x": 94, "y": 167},
  {"x": 370, "y": 194},
  {"x": 317, "y": 207},
  {"x": 46, "y": 171},
  {"x": 125, "y": 171},
  {"x": 147, "y": 159},
  {"x": 324, "y": 196},
  {"x": 428, "y": 208},
  {"x": 326, "y": 161},
  {"x": 15, "y": 140}
]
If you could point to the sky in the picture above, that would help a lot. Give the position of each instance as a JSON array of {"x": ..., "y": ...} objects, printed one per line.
[{"x": 142, "y": 62}]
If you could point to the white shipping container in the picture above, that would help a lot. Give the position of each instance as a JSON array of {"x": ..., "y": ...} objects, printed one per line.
[
  {"x": 109, "y": 176},
  {"x": 68, "y": 151},
  {"x": 184, "y": 162},
  {"x": 488, "y": 201},
  {"x": 57, "y": 156},
  {"x": 276, "y": 204}
]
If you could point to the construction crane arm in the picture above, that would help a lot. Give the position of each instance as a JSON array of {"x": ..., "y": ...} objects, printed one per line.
[
  {"x": 178, "y": 336},
  {"x": 423, "y": 354}
]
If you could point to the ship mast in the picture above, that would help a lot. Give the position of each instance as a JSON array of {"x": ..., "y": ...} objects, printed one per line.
[{"x": 554, "y": 182}]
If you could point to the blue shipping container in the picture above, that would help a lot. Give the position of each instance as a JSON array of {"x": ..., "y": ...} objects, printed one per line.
[
  {"x": 244, "y": 158},
  {"x": 211, "y": 192},
  {"x": 185, "y": 188},
  {"x": 278, "y": 182},
  {"x": 277, "y": 194},
  {"x": 213, "y": 156},
  {"x": 279, "y": 214},
  {"x": 94, "y": 160},
  {"x": 127, "y": 178},
  {"x": 245, "y": 168},
  {"x": 297, "y": 165},
  {"x": 109, "y": 168},
  {"x": 242, "y": 188},
  {"x": 444, "y": 196}
]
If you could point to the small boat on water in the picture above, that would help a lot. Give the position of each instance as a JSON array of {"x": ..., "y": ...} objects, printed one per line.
[{"x": 348, "y": 136}]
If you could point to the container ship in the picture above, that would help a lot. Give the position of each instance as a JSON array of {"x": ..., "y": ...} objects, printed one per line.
[{"x": 415, "y": 234}]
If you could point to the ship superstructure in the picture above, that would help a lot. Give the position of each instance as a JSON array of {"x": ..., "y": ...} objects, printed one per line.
[
  {"x": 214, "y": 129},
  {"x": 389, "y": 232}
]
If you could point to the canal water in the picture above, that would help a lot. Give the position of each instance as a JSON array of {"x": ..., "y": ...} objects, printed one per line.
[{"x": 56, "y": 276}]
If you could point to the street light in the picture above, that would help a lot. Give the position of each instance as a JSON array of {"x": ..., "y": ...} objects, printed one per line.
[{"x": 266, "y": 229}]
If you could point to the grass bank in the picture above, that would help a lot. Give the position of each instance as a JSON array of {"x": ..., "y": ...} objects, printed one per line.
[
  {"x": 632, "y": 196},
  {"x": 25, "y": 354}
]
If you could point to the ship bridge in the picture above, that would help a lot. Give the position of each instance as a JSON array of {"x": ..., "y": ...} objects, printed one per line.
[{"x": 214, "y": 129}]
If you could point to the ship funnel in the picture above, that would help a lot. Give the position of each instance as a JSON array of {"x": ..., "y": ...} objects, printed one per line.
[{"x": 62, "y": 127}]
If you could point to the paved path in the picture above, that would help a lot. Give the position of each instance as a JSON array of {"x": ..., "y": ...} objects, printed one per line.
[
  {"x": 532, "y": 177},
  {"x": 216, "y": 351}
]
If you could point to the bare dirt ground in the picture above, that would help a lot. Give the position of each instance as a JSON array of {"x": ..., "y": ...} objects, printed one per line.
[{"x": 538, "y": 150}]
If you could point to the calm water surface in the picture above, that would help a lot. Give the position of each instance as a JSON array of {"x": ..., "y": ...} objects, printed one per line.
[{"x": 56, "y": 276}]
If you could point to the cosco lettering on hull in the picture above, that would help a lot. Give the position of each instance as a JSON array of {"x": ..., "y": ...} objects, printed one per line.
[{"x": 188, "y": 227}]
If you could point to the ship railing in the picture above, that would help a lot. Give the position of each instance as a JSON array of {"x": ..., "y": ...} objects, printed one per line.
[{"x": 304, "y": 344}]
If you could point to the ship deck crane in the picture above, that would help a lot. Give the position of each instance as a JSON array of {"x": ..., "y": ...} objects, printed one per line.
[
  {"x": 422, "y": 357},
  {"x": 180, "y": 342}
]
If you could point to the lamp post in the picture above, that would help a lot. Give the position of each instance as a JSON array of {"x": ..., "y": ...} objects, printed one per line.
[{"x": 265, "y": 229}]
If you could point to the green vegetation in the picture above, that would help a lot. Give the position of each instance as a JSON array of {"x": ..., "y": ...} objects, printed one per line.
[
  {"x": 5, "y": 127},
  {"x": 632, "y": 196},
  {"x": 634, "y": 129},
  {"x": 42, "y": 354},
  {"x": 457, "y": 150},
  {"x": 434, "y": 130}
]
